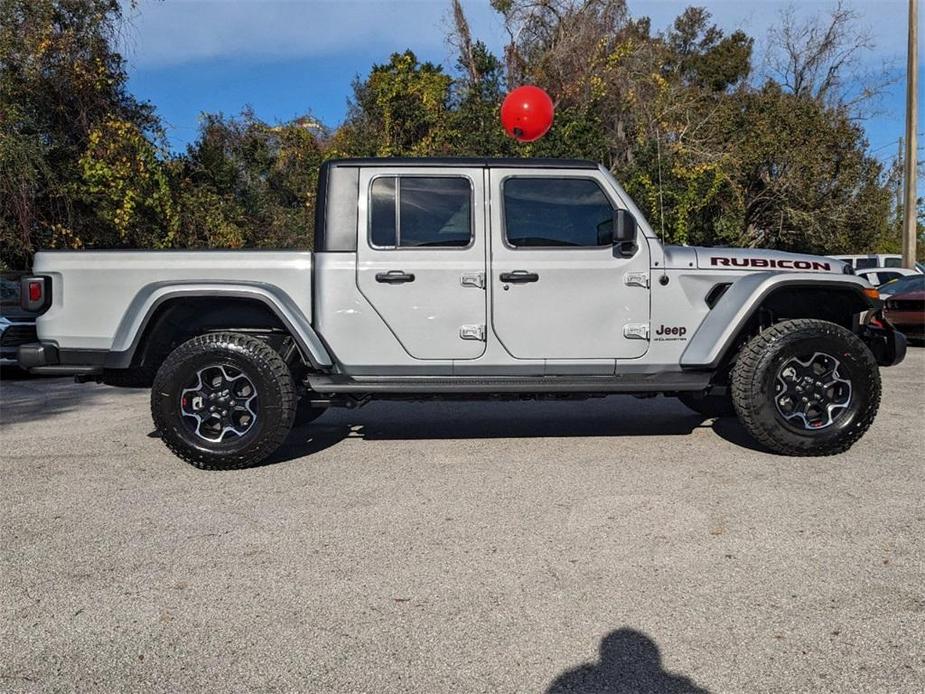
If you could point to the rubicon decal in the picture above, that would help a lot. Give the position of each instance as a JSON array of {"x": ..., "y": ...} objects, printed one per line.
[{"x": 782, "y": 264}]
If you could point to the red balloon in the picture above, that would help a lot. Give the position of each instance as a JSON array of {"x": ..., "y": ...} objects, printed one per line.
[{"x": 527, "y": 113}]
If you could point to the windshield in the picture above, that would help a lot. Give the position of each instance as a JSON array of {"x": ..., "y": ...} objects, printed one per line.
[{"x": 911, "y": 283}]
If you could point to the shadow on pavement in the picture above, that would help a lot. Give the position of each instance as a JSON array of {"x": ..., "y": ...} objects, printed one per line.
[
  {"x": 26, "y": 398},
  {"x": 14, "y": 373},
  {"x": 608, "y": 417},
  {"x": 630, "y": 663}
]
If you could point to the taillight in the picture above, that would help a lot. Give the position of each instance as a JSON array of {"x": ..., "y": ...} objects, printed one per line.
[{"x": 35, "y": 293}]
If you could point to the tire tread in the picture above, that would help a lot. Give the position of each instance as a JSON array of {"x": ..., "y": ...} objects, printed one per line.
[
  {"x": 260, "y": 353},
  {"x": 756, "y": 354}
]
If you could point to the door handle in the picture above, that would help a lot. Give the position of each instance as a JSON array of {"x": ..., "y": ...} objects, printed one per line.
[
  {"x": 394, "y": 277},
  {"x": 519, "y": 277}
]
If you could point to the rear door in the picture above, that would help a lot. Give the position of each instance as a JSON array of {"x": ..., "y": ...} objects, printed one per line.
[
  {"x": 421, "y": 256},
  {"x": 560, "y": 290}
]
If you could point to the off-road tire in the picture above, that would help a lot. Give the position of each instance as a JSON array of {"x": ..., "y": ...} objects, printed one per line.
[
  {"x": 271, "y": 379},
  {"x": 755, "y": 374},
  {"x": 709, "y": 405}
]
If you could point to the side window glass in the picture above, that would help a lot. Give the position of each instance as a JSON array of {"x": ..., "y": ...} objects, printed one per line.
[
  {"x": 864, "y": 263},
  {"x": 556, "y": 212},
  {"x": 420, "y": 211},
  {"x": 382, "y": 216},
  {"x": 893, "y": 262}
]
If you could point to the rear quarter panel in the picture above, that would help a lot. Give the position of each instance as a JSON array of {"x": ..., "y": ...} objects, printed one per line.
[{"x": 92, "y": 291}]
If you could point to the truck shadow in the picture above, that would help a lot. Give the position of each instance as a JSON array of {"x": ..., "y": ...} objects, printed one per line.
[
  {"x": 26, "y": 398},
  {"x": 607, "y": 417},
  {"x": 630, "y": 662}
]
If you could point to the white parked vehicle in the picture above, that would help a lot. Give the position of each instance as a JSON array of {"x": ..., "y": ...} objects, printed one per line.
[
  {"x": 465, "y": 278},
  {"x": 870, "y": 261},
  {"x": 881, "y": 275}
]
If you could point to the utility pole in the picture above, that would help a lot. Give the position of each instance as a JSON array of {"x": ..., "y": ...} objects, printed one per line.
[
  {"x": 912, "y": 113},
  {"x": 900, "y": 188}
]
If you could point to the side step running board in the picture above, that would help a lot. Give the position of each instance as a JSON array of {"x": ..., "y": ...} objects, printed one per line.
[
  {"x": 66, "y": 370},
  {"x": 628, "y": 383}
]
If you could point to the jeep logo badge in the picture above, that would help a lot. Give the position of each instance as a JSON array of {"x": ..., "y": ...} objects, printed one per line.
[{"x": 670, "y": 332}]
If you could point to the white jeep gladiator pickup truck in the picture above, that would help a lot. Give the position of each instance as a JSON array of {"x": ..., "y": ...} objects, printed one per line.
[{"x": 465, "y": 278}]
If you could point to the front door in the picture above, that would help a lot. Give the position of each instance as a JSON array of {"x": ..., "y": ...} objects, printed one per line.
[
  {"x": 561, "y": 290},
  {"x": 421, "y": 258}
]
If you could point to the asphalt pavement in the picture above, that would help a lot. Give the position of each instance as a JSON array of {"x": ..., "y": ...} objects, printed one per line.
[{"x": 612, "y": 545}]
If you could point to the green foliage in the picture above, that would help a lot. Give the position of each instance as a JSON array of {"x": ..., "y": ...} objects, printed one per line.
[
  {"x": 124, "y": 181},
  {"x": 673, "y": 115},
  {"x": 678, "y": 116},
  {"x": 804, "y": 175},
  {"x": 246, "y": 183},
  {"x": 702, "y": 55},
  {"x": 399, "y": 109},
  {"x": 60, "y": 81}
]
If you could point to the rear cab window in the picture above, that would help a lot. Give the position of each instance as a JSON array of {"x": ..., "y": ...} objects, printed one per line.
[{"x": 420, "y": 212}]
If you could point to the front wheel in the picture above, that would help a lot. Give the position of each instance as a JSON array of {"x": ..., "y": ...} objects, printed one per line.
[
  {"x": 223, "y": 401},
  {"x": 806, "y": 387}
]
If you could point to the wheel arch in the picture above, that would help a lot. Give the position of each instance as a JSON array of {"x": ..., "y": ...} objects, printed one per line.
[
  {"x": 737, "y": 314},
  {"x": 212, "y": 305}
]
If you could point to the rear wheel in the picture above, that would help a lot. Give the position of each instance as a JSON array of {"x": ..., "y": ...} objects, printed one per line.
[
  {"x": 806, "y": 387},
  {"x": 223, "y": 401}
]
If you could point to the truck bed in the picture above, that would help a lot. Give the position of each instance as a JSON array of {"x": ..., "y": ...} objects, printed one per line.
[{"x": 98, "y": 295}]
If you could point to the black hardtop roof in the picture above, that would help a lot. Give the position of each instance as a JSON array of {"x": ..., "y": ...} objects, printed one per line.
[{"x": 498, "y": 162}]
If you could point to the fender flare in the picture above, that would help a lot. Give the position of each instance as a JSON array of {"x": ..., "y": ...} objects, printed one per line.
[
  {"x": 716, "y": 333},
  {"x": 151, "y": 296}
]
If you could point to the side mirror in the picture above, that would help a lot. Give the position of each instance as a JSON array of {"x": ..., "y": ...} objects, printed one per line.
[{"x": 624, "y": 233}]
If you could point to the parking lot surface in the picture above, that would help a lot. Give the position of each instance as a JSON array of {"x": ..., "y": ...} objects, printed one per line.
[{"x": 613, "y": 545}]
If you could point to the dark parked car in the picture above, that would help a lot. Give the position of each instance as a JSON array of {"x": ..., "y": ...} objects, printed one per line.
[
  {"x": 912, "y": 283},
  {"x": 906, "y": 310},
  {"x": 17, "y": 327}
]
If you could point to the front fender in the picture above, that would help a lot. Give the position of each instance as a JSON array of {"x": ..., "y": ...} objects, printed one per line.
[
  {"x": 718, "y": 331},
  {"x": 145, "y": 303},
  {"x": 886, "y": 343}
]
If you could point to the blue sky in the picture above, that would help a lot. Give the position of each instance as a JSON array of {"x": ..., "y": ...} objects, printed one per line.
[{"x": 288, "y": 57}]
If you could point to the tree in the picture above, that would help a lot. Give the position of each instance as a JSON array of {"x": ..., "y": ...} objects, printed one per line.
[
  {"x": 399, "y": 109},
  {"x": 247, "y": 183},
  {"x": 703, "y": 56},
  {"x": 817, "y": 58},
  {"x": 127, "y": 186},
  {"x": 675, "y": 117},
  {"x": 60, "y": 81},
  {"x": 711, "y": 149},
  {"x": 806, "y": 181}
]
